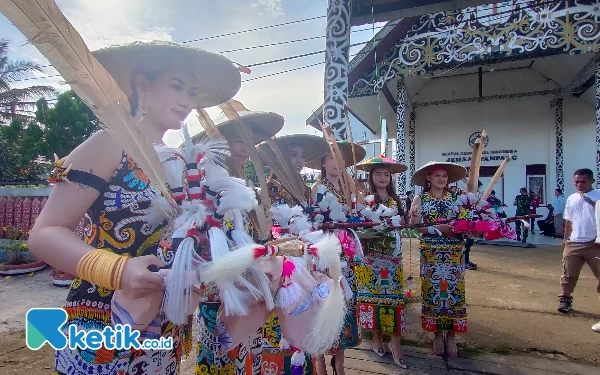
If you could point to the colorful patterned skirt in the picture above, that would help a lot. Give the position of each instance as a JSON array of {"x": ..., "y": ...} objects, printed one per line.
[
  {"x": 115, "y": 362},
  {"x": 274, "y": 359},
  {"x": 444, "y": 305},
  {"x": 379, "y": 283},
  {"x": 245, "y": 359}
]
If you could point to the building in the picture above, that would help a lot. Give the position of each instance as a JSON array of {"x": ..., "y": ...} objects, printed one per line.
[{"x": 525, "y": 71}]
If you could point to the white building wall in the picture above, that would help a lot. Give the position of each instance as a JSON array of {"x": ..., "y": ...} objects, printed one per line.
[
  {"x": 526, "y": 125},
  {"x": 579, "y": 139}
]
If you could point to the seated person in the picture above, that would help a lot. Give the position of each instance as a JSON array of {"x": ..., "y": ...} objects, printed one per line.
[{"x": 547, "y": 225}]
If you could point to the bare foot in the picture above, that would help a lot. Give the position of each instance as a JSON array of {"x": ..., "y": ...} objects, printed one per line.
[
  {"x": 438, "y": 343},
  {"x": 451, "y": 347}
]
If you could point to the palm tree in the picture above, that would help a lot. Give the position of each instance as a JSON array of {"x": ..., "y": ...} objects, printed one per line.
[{"x": 18, "y": 102}]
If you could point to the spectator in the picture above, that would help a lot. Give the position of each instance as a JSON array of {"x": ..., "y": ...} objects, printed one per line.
[
  {"x": 580, "y": 237},
  {"x": 497, "y": 204},
  {"x": 559, "y": 210},
  {"x": 523, "y": 204},
  {"x": 547, "y": 225},
  {"x": 408, "y": 201},
  {"x": 454, "y": 191},
  {"x": 535, "y": 204}
]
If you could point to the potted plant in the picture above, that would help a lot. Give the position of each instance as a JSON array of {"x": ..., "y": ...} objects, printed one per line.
[{"x": 18, "y": 258}]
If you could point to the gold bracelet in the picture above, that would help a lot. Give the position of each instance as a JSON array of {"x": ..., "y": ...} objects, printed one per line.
[{"x": 103, "y": 268}]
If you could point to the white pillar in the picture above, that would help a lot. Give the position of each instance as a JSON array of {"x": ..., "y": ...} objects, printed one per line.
[
  {"x": 400, "y": 130},
  {"x": 412, "y": 149},
  {"x": 597, "y": 74},
  {"x": 560, "y": 177},
  {"x": 336, "y": 66}
]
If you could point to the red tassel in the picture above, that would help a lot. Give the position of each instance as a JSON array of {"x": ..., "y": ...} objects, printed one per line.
[{"x": 244, "y": 69}]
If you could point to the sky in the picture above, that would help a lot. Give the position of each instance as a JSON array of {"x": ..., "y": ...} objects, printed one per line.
[{"x": 294, "y": 95}]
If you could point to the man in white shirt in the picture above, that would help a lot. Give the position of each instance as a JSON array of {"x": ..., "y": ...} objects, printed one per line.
[
  {"x": 580, "y": 236},
  {"x": 559, "y": 210}
]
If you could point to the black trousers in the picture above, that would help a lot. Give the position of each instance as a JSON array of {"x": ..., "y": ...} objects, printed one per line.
[
  {"x": 468, "y": 244},
  {"x": 547, "y": 228},
  {"x": 518, "y": 225}
]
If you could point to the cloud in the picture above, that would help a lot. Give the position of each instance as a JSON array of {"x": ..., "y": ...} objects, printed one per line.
[
  {"x": 273, "y": 7},
  {"x": 114, "y": 22}
]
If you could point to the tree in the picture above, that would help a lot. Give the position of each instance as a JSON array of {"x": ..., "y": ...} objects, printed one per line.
[
  {"x": 18, "y": 102},
  {"x": 251, "y": 172},
  {"x": 25, "y": 148},
  {"x": 66, "y": 125},
  {"x": 20, "y": 146}
]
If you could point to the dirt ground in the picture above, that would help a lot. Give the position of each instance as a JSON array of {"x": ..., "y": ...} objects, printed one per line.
[{"x": 512, "y": 301}]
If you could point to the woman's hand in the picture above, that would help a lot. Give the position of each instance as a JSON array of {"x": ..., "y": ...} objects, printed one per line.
[
  {"x": 137, "y": 280},
  {"x": 445, "y": 229}
]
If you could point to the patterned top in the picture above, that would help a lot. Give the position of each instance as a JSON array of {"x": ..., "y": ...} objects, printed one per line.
[
  {"x": 437, "y": 209},
  {"x": 523, "y": 203},
  {"x": 390, "y": 202},
  {"x": 339, "y": 194},
  {"x": 115, "y": 222},
  {"x": 280, "y": 195}
]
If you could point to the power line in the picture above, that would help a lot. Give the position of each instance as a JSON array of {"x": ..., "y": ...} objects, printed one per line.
[
  {"x": 297, "y": 56},
  {"x": 287, "y": 42},
  {"x": 283, "y": 71},
  {"x": 254, "y": 29}
]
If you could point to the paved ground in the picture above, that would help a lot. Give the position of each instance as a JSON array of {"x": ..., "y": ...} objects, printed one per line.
[{"x": 514, "y": 327}]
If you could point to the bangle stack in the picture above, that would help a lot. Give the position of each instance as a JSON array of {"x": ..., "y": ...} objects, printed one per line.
[{"x": 103, "y": 268}]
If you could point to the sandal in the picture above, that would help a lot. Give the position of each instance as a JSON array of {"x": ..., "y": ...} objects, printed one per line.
[
  {"x": 379, "y": 351},
  {"x": 398, "y": 362}
]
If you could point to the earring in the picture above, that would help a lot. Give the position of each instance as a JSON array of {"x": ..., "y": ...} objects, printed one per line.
[{"x": 144, "y": 110}]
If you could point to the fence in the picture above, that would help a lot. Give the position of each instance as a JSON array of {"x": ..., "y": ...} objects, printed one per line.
[{"x": 19, "y": 208}]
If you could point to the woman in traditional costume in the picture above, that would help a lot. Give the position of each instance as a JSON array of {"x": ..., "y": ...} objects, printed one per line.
[
  {"x": 379, "y": 280},
  {"x": 442, "y": 262},
  {"x": 330, "y": 182},
  {"x": 246, "y": 358},
  {"x": 296, "y": 149},
  {"x": 164, "y": 82}
]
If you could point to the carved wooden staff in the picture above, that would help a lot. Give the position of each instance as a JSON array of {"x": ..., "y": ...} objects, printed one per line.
[{"x": 478, "y": 147}]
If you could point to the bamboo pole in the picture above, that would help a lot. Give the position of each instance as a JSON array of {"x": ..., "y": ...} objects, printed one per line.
[{"x": 496, "y": 177}]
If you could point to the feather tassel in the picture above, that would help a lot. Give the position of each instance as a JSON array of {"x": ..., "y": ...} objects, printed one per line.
[
  {"x": 178, "y": 290},
  {"x": 297, "y": 363},
  {"x": 330, "y": 319}
]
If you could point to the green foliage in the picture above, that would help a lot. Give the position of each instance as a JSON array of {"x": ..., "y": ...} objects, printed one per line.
[
  {"x": 66, "y": 125},
  {"x": 59, "y": 129},
  {"x": 17, "y": 251},
  {"x": 251, "y": 172}
]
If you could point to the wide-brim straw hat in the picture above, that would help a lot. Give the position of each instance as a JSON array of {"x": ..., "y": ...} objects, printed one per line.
[
  {"x": 456, "y": 172},
  {"x": 346, "y": 150},
  {"x": 262, "y": 125},
  {"x": 314, "y": 146},
  {"x": 382, "y": 162},
  {"x": 217, "y": 78}
]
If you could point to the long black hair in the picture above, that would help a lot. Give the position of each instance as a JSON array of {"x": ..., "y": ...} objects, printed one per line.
[{"x": 389, "y": 188}]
